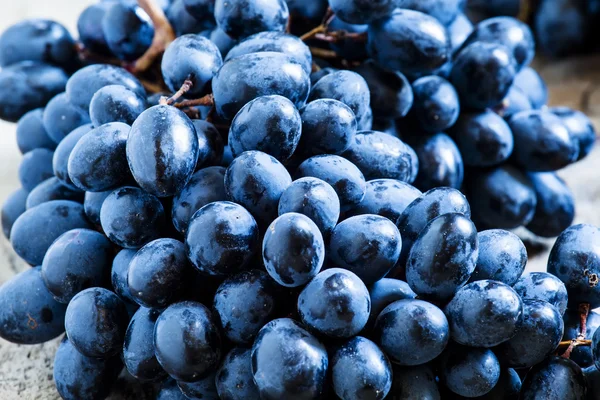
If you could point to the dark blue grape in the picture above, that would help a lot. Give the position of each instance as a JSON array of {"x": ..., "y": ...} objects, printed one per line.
[
  {"x": 532, "y": 84},
  {"x": 26, "y": 86},
  {"x": 556, "y": 378},
  {"x": 183, "y": 22},
  {"x": 592, "y": 376},
  {"x": 368, "y": 245},
  {"x": 449, "y": 240},
  {"x": 317, "y": 75},
  {"x": 409, "y": 41},
  {"x": 411, "y": 332},
  {"x": 210, "y": 144},
  {"x": 386, "y": 291},
  {"x": 514, "y": 102},
  {"x": 61, "y": 117},
  {"x": 440, "y": 163},
  {"x": 415, "y": 382},
  {"x": 444, "y": 11},
  {"x": 436, "y": 106},
  {"x": 52, "y": 189},
  {"x": 13, "y": 207},
  {"x": 482, "y": 74},
  {"x": 29, "y": 314},
  {"x": 582, "y": 355},
  {"x": 288, "y": 362},
  {"x": 204, "y": 389},
  {"x": 459, "y": 30},
  {"x": 60, "y": 160},
  {"x": 170, "y": 391},
  {"x": 131, "y": 217},
  {"x": 186, "y": 341},
  {"x": 362, "y": 11},
  {"x": 386, "y": 197},
  {"x": 244, "y": 303},
  {"x": 507, "y": 388},
  {"x": 128, "y": 31},
  {"x": 89, "y": 27},
  {"x": 119, "y": 272},
  {"x": 346, "y": 86},
  {"x": 502, "y": 257},
  {"x": 92, "y": 204},
  {"x": 200, "y": 9},
  {"x": 234, "y": 377},
  {"x": 310, "y": 12},
  {"x": 555, "y": 207},
  {"x": 45, "y": 223},
  {"x": 80, "y": 377},
  {"x": 116, "y": 103},
  {"x": 537, "y": 337},
  {"x": 138, "y": 348},
  {"x": 31, "y": 133},
  {"x": 563, "y": 27},
  {"x": 221, "y": 238},
  {"x": 242, "y": 18},
  {"x": 222, "y": 40},
  {"x": 581, "y": 129},
  {"x": 35, "y": 168}
]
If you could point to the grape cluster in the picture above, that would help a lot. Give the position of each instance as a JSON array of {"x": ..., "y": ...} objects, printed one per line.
[{"x": 243, "y": 199}]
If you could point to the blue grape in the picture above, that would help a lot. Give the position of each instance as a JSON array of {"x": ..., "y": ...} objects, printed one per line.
[
  {"x": 256, "y": 181},
  {"x": 31, "y": 133},
  {"x": 13, "y": 207},
  {"x": 98, "y": 161},
  {"x": 532, "y": 84},
  {"x": 37, "y": 40},
  {"x": 270, "y": 124},
  {"x": 482, "y": 74},
  {"x": 77, "y": 260},
  {"x": 80, "y": 377},
  {"x": 592, "y": 376},
  {"x": 579, "y": 126},
  {"x": 538, "y": 336},
  {"x": 191, "y": 57},
  {"x": 440, "y": 163},
  {"x": 386, "y": 197},
  {"x": 61, "y": 117},
  {"x": 210, "y": 144},
  {"x": 368, "y": 245},
  {"x": 29, "y": 314},
  {"x": 183, "y": 22},
  {"x": 119, "y": 272},
  {"x": 582, "y": 355},
  {"x": 449, "y": 240},
  {"x": 346, "y": 86},
  {"x": 234, "y": 376},
  {"x": 469, "y": 372},
  {"x": 484, "y": 138},
  {"x": 35, "y": 167},
  {"x": 200, "y": 9},
  {"x": 502, "y": 256},
  {"x": 362, "y": 11},
  {"x": 205, "y": 388},
  {"x": 562, "y": 27},
  {"x": 360, "y": 370},
  {"x": 205, "y": 186},
  {"x": 60, "y": 160},
  {"x": 96, "y": 321},
  {"x": 162, "y": 150},
  {"x": 555, "y": 207},
  {"x": 26, "y": 86},
  {"x": 170, "y": 391},
  {"x": 244, "y": 303},
  {"x": 221, "y": 238},
  {"x": 92, "y": 204},
  {"x": 409, "y": 41},
  {"x": 514, "y": 102},
  {"x": 242, "y": 18},
  {"x": 459, "y": 30},
  {"x": 222, "y": 40},
  {"x": 52, "y": 189},
  {"x": 157, "y": 273},
  {"x": 314, "y": 198},
  {"x": 115, "y": 103},
  {"x": 288, "y": 362},
  {"x": 187, "y": 342},
  {"x": 45, "y": 223},
  {"x": 345, "y": 178},
  {"x": 138, "y": 347},
  {"x": 293, "y": 250},
  {"x": 89, "y": 27},
  {"x": 444, "y": 11},
  {"x": 436, "y": 105},
  {"x": 414, "y": 382},
  {"x": 131, "y": 217},
  {"x": 507, "y": 388},
  {"x": 555, "y": 378},
  {"x": 312, "y": 10},
  {"x": 386, "y": 291},
  {"x": 412, "y": 332},
  {"x": 335, "y": 303},
  {"x": 128, "y": 31}
]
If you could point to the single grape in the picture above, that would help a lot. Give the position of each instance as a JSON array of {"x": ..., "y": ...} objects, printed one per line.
[
  {"x": 116, "y": 103},
  {"x": 459, "y": 30},
  {"x": 234, "y": 376},
  {"x": 119, "y": 272},
  {"x": 563, "y": 27},
  {"x": 386, "y": 197},
  {"x": 89, "y": 27},
  {"x": 92, "y": 204},
  {"x": 12, "y": 208},
  {"x": 532, "y": 84},
  {"x": 138, "y": 348},
  {"x": 242, "y": 18},
  {"x": 346, "y": 86},
  {"x": 52, "y": 189},
  {"x": 61, "y": 117},
  {"x": 440, "y": 163},
  {"x": 436, "y": 105},
  {"x": 183, "y": 22},
  {"x": 222, "y": 40},
  {"x": 444, "y": 11},
  {"x": 210, "y": 144},
  {"x": 385, "y": 292},
  {"x": 579, "y": 126},
  {"x": 31, "y": 133},
  {"x": 35, "y": 168},
  {"x": 362, "y": 11},
  {"x": 200, "y": 9},
  {"x": 502, "y": 257},
  {"x": 414, "y": 382},
  {"x": 515, "y": 101},
  {"x": 128, "y": 30},
  {"x": 60, "y": 160},
  {"x": 555, "y": 378},
  {"x": 555, "y": 207}
]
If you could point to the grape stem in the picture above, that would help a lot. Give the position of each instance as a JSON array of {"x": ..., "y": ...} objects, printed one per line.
[
  {"x": 323, "y": 53},
  {"x": 163, "y": 36},
  {"x": 580, "y": 340},
  {"x": 187, "y": 85},
  {"x": 321, "y": 28},
  {"x": 207, "y": 100}
]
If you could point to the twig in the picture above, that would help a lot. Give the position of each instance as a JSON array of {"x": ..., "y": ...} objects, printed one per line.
[
  {"x": 187, "y": 85},
  {"x": 163, "y": 35},
  {"x": 207, "y": 100},
  {"x": 323, "y": 53},
  {"x": 211, "y": 114},
  {"x": 311, "y": 34},
  {"x": 338, "y": 36},
  {"x": 580, "y": 340}
]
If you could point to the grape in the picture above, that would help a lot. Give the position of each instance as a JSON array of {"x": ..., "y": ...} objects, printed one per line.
[
  {"x": 127, "y": 30},
  {"x": 288, "y": 362},
  {"x": 348, "y": 48},
  {"x": 35, "y": 168},
  {"x": 443, "y": 257},
  {"x": 579, "y": 126},
  {"x": 592, "y": 376},
  {"x": 314, "y": 198},
  {"x": 131, "y": 217},
  {"x": 28, "y": 312},
  {"x": 562, "y": 27},
  {"x": 555, "y": 207},
  {"x": 191, "y": 57},
  {"x": 115, "y": 103},
  {"x": 386, "y": 197},
  {"x": 436, "y": 105},
  {"x": 98, "y": 161},
  {"x": 484, "y": 313},
  {"x": 502, "y": 257},
  {"x": 187, "y": 342},
  {"x": 557, "y": 378},
  {"x": 414, "y": 382},
  {"x": 582, "y": 355},
  {"x": 379, "y": 155},
  {"x": 183, "y": 22},
  {"x": 162, "y": 150},
  {"x": 256, "y": 181},
  {"x": 469, "y": 372},
  {"x": 37, "y": 40},
  {"x": 270, "y": 124},
  {"x": 335, "y": 303},
  {"x": 83, "y": 84},
  {"x": 52, "y": 189},
  {"x": 409, "y": 41},
  {"x": 60, "y": 160},
  {"x": 242, "y": 18},
  {"x": 444, "y": 11},
  {"x": 157, "y": 273},
  {"x": 80, "y": 377},
  {"x": 205, "y": 388},
  {"x": 234, "y": 376},
  {"x": 170, "y": 391},
  {"x": 92, "y": 205},
  {"x": 360, "y": 370},
  {"x": 96, "y": 321},
  {"x": 440, "y": 162},
  {"x": 537, "y": 336},
  {"x": 89, "y": 27},
  {"x": 222, "y": 40},
  {"x": 119, "y": 272},
  {"x": 507, "y": 388},
  {"x": 13, "y": 207},
  {"x": 244, "y": 303},
  {"x": 514, "y": 102},
  {"x": 459, "y": 30},
  {"x": 595, "y": 348},
  {"x": 368, "y": 245},
  {"x": 210, "y": 144},
  {"x": 138, "y": 349},
  {"x": 532, "y": 84},
  {"x": 200, "y": 9},
  {"x": 45, "y": 223},
  {"x": 293, "y": 250},
  {"x": 575, "y": 260},
  {"x": 310, "y": 10},
  {"x": 31, "y": 133},
  {"x": 328, "y": 127},
  {"x": 362, "y": 11},
  {"x": 26, "y": 86},
  {"x": 346, "y": 86},
  {"x": 385, "y": 292},
  {"x": 274, "y": 41}
]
